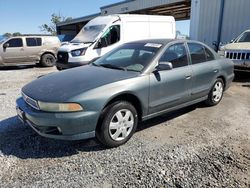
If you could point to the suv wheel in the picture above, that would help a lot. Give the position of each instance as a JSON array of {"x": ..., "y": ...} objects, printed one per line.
[
  {"x": 216, "y": 93},
  {"x": 118, "y": 124},
  {"x": 48, "y": 60}
]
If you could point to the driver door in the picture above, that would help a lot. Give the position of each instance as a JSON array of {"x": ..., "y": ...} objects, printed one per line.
[
  {"x": 169, "y": 88},
  {"x": 13, "y": 51}
]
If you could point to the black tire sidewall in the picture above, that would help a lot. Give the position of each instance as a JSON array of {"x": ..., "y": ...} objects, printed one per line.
[
  {"x": 103, "y": 130},
  {"x": 210, "y": 101},
  {"x": 46, "y": 64}
]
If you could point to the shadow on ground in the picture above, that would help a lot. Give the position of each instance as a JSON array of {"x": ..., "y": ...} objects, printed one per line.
[
  {"x": 21, "y": 141},
  {"x": 242, "y": 77},
  {"x": 20, "y": 67}
]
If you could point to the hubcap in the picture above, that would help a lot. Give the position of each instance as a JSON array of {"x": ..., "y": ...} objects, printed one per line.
[
  {"x": 121, "y": 125},
  {"x": 217, "y": 91}
]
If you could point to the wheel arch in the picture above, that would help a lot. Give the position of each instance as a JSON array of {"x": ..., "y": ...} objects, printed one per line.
[
  {"x": 129, "y": 97},
  {"x": 47, "y": 52},
  {"x": 223, "y": 79}
]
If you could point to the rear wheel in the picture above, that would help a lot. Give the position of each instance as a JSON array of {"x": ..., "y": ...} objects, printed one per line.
[
  {"x": 48, "y": 60},
  {"x": 118, "y": 124},
  {"x": 216, "y": 93}
]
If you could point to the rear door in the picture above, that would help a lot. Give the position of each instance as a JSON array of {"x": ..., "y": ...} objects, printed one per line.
[
  {"x": 33, "y": 48},
  {"x": 204, "y": 69},
  {"x": 171, "y": 87},
  {"x": 14, "y": 53}
]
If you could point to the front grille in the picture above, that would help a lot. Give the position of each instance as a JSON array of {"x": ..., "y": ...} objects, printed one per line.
[
  {"x": 62, "y": 57},
  {"x": 238, "y": 55},
  {"x": 31, "y": 102}
]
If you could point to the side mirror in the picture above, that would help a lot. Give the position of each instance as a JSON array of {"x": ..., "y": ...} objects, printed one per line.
[
  {"x": 6, "y": 45},
  {"x": 164, "y": 66},
  {"x": 231, "y": 41}
]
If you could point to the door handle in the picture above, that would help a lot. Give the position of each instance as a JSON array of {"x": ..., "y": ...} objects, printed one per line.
[
  {"x": 22, "y": 49},
  {"x": 188, "y": 77},
  {"x": 215, "y": 70}
]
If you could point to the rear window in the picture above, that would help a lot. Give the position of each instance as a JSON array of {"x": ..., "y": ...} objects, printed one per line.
[
  {"x": 197, "y": 53},
  {"x": 33, "y": 41}
]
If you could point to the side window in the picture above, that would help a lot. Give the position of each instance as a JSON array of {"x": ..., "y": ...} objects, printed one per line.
[
  {"x": 14, "y": 43},
  {"x": 209, "y": 55},
  {"x": 176, "y": 54},
  {"x": 33, "y": 41},
  {"x": 197, "y": 53},
  {"x": 112, "y": 35}
]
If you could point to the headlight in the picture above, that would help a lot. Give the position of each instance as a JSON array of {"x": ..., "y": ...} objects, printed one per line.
[
  {"x": 59, "y": 107},
  {"x": 78, "y": 52}
]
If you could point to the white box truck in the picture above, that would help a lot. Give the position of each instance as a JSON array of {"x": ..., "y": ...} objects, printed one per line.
[{"x": 104, "y": 33}]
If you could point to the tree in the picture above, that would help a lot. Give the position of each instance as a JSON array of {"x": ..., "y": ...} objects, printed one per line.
[
  {"x": 7, "y": 35},
  {"x": 55, "y": 19},
  {"x": 16, "y": 34}
]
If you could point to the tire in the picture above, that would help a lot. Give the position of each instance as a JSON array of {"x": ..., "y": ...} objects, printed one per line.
[
  {"x": 216, "y": 93},
  {"x": 59, "y": 68},
  {"x": 48, "y": 60},
  {"x": 115, "y": 128}
]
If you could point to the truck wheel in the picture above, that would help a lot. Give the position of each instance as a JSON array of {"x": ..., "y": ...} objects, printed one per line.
[
  {"x": 48, "y": 60},
  {"x": 118, "y": 124},
  {"x": 216, "y": 93}
]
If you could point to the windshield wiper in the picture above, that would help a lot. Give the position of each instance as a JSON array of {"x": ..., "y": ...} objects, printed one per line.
[{"x": 112, "y": 66}]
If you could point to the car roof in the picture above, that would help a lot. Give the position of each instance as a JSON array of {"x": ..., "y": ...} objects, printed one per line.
[{"x": 163, "y": 41}]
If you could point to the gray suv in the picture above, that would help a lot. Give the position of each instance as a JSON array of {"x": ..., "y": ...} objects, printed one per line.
[
  {"x": 28, "y": 49},
  {"x": 134, "y": 82}
]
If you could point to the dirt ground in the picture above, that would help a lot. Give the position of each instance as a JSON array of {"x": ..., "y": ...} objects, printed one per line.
[{"x": 197, "y": 146}]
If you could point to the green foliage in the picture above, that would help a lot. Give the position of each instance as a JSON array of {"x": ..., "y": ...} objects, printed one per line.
[
  {"x": 16, "y": 34},
  {"x": 55, "y": 19},
  {"x": 7, "y": 35},
  {"x": 12, "y": 34}
]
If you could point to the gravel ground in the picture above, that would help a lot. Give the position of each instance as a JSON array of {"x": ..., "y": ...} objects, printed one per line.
[{"x": 194, "y": 147}]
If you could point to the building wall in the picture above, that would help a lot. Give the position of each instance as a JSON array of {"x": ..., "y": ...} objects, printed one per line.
[
  {"x": 205, "y": 14},
  {"x": 236, "y": 18}
]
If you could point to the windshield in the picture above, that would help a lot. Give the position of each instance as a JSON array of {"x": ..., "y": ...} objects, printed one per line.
[
  {"x": 129, "y": 57},
  {"x": 2, "y": 39},
  {"x": 88, "y": 33},
  {"x": 245, "y": 37}
]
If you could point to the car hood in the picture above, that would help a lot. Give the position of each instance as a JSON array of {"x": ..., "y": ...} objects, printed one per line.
[
  {"x": 63, "y": 86},
  {"x": 68, "y": 47},
  {"x": 238, "y": 46}
]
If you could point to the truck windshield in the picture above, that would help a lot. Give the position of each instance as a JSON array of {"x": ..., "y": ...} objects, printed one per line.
[
  {"x": 245, "y": 37},
  {"x": 88, "y": 33}
]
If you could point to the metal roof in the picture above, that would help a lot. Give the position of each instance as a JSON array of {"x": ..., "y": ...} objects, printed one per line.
[
  {"x": 77, "y": 20},
  {"x": 119, "y": 3}
]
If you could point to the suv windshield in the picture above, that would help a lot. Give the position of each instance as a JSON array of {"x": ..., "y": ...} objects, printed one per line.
[
  {"x": 130, "y": 57},
  {"x": 88, "y": 33},
  {"x": 245, "y": 37}
]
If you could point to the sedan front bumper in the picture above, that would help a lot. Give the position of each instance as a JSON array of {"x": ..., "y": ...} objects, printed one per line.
[{"x": 63, "y": 126}]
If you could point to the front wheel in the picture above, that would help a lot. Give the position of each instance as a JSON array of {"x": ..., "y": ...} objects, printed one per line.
[
  {"x": 216, "y": 93},
  {"x": 118, "y": 124}
]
